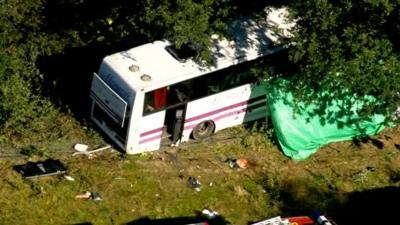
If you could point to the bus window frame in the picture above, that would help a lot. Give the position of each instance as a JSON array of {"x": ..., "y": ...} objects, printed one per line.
[{"x": 216, "y": 76}]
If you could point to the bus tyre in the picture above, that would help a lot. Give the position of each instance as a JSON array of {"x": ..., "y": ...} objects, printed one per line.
[{"x": 203, "y": 130}]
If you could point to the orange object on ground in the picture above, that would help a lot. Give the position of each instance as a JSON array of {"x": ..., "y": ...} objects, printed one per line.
[{"x": 242, "y": 163}]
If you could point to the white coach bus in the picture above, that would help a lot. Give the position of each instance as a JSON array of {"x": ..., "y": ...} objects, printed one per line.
[{"x": 154, "y": 93}]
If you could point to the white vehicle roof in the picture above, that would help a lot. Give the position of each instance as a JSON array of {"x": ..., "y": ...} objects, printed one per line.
[{"x": 251, "y": 40}]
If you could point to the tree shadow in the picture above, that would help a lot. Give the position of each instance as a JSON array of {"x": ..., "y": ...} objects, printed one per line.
[
  {"x": 370, "y": 207},
  {"x": 67, "y": 77},
  {"x": 244, "y": 7},
  {"x": 219, "y": 220},
  {"x": 357, "y": 142},
  {"x": 299, "y": 196},
  {"x": 91, "y": 19}
]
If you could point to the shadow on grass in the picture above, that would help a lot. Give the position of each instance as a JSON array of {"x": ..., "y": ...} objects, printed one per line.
[
  {"x": 370, "y": 207},
  {"x": 357, "y": 142},
  {"x": 179, "y": 221}
]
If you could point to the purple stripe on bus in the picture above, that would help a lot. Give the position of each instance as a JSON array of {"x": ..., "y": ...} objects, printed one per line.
[
  {"x": 158, "y": 137},
  {"x": 151, "y": 132},
  {"x": 201, "y": 116},
  {"x": 229, "y": 114},
  {"x": 237, "y": 112}
]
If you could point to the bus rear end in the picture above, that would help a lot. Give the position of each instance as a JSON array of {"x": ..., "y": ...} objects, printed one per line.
[{"x": 112, "y": 101}]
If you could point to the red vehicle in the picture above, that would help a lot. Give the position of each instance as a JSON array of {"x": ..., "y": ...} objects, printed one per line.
[{"x": 296, "y": 220}]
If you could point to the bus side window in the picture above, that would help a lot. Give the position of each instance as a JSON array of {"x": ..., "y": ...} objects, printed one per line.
[
  {"x": 155, "y": 100},
  {"x": 180, "y": 92}
]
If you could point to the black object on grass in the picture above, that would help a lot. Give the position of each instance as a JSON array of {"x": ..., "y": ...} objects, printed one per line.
[
  {"x": 194, "y": 183},
  {"x": 48, "y": 167}
]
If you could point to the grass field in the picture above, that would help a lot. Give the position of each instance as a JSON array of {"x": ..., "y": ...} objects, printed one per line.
[{"x": 349, "y": 181}]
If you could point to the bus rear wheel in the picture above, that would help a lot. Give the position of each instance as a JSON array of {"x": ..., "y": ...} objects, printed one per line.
[{"x": 203, "y": 130}]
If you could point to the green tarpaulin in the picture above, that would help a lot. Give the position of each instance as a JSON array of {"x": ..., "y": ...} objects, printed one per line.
[{"x": 301, "y": 134}]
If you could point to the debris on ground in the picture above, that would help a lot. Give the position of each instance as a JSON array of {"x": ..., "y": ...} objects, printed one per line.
[
  {"x": 397, "y": 146},
  {"x": 89, "y": 195},
  {"x": 85, "y": 195},
  {"x": 237, "y": 163},
  {"x": 209, "y": 214},
  {"x": 69, "y": 178},
  {"x": 45, "y": 168},
  {"x": 90, "y": 153},
  {"x": 194, "y": 183},
  {"x": 242, "y": 163},
  {"x": 81, "y": 147}
]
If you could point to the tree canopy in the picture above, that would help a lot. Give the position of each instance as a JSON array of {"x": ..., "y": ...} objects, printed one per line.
[
  {"x": 347, "y": 47},
  {"x": 337, "y": 45}
]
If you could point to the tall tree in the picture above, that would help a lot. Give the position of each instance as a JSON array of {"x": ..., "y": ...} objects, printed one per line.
[
  {"x": 21, "y": 41},
  {"x": 347, "y": 47}
]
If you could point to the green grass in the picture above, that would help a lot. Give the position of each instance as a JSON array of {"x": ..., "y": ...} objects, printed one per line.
[{"x": 155, "y": 185}]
